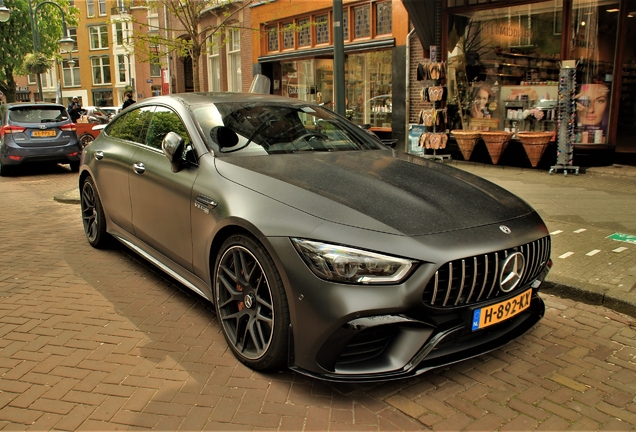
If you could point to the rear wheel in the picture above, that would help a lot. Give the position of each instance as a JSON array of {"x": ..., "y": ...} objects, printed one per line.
[
  {"x": 86, "y": 139},
  {"x": 5, "y": 170},
  {"x": 93, "y": 215},
  {"x": 75, "y": 166},
  {"x": 251, "y": 304}
]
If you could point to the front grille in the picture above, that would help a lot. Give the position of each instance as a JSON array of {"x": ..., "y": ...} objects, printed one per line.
[
  {"x": 366, "y": 345},
  {"x": 474, "y": 279}
]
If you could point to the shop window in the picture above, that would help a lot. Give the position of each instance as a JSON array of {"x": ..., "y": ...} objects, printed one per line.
[
  {"x": 626, "y": 129},
  {"x": 322, "y": 29},
  {"x": 383, "y": 18},
  {"x": 362, "y": 22},
  {"x": 304, "y": 32},
  {"x": 369, "y": 98},
  {"x": 272, "y": 38},
  {"x": 288, "y": 36},
  {"x": 594, "y": 26},
  {"x": 103, "y": 98},
  {"x": 503, "y": 68},
  {"x": 298, "y": 80}
]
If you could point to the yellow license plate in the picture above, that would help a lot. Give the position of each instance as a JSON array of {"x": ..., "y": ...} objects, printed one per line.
[
  {"x": 501, "y": 311},
  {"x": 45, "y": 133}
]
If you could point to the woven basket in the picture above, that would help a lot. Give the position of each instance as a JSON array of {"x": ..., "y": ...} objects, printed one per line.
[
  {"x": 466, "y": 140},
  {"x": 496, "y": 143},
  {"x": 534, "y": 143},
  {"x": 534, "y": 138}
]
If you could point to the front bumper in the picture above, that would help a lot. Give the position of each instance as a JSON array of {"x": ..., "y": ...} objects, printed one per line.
[{"x": 359, "y": 333}]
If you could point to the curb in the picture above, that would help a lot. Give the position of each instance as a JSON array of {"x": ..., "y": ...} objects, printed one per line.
[
  {"x": 617, "y": 300},
  {"x": 71, "y": 196}
]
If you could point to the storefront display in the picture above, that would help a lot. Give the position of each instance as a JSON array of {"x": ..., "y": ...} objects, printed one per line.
[
  {"x": 504, "y": 60},
  {"x": 369, "y": 83}
]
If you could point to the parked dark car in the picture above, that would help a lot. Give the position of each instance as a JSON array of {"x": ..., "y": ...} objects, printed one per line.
[
  {"x": 320, "y": 249},
  {"x": 37, "y": 132}
]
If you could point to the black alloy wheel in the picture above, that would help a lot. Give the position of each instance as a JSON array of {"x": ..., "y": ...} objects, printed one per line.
[
  {"x": 93, "y": 215},
  {"x": 251, "y": 304},
  {"x": 86, "y": 139}
]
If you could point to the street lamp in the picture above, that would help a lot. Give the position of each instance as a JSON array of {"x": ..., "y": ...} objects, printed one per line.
[
  {"x": 5, "y": 12},
  {"x": 66, "y": 43}
]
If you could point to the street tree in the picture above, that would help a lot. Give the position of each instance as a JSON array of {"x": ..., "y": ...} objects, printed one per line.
[
  {"x": 192, "y": 25},
  {"x": 17, "y": 38}
]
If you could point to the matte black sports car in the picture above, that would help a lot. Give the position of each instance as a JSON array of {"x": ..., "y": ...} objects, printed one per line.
[{"x": 320, "y": 250}]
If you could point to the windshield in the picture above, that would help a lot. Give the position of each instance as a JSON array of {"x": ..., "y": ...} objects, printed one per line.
[{"x": 270, "y": 128}]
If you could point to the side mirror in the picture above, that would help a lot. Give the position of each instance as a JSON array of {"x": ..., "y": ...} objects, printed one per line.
[
  {"x": 172, "y": 147},
  {"x": 223, "y": 136}
]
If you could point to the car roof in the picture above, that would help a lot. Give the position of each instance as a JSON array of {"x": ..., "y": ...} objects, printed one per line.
[
  {"x": 193, "y": 100},
  {"x": 12, "y": 105}
]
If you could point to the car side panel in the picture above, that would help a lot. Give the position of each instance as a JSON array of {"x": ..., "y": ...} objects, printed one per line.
[
  {"x": 161, "y": 205},
  {"x": 111, "y": 164}
]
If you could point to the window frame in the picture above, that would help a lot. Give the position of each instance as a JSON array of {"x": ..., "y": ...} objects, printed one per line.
[
  {"x": 102, "y": 68},
  {"x": 102, "y": 37}
]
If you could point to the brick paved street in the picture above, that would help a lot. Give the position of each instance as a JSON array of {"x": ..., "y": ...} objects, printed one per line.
[{"x": 100, "y": 340}]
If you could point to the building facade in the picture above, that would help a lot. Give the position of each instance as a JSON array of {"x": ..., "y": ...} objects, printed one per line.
[{"x": 294, "y": 48}]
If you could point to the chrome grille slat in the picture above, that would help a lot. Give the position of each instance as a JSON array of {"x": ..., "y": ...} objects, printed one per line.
[
  {"x": 450, "y": 283},
  {"x": 461, "y": 284},
  {"x": 495, "y": 278},
  {"x": 436, "y": 286},
  {"x": 472, "y": 288},
  {"x": 485, "y": 276},
  {"x": 482, "y": 281}
]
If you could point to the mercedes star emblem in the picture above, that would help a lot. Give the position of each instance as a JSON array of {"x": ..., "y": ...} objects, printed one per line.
[{"x": 511, "y": 271}]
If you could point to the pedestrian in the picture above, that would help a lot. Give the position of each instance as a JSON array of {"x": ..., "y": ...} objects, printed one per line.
[
  {"x": 129, "y": 100},
  {"x": 75, "y": 109}
]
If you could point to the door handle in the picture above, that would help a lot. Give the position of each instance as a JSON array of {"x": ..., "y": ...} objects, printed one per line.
[
  {"x": 139, "y": 168},
  {"x": 99, "y": 155}
]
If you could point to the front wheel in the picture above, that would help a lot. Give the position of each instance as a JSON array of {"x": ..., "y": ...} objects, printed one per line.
[
  {"x": 251, "y": 304},
  {"x": 93, "y": 215}
]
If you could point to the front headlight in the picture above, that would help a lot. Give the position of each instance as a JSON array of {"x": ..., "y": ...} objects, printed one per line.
[{"x": 345, "y": 264}]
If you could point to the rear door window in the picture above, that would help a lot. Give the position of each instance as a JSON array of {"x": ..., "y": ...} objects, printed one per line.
[
  {"x": 165, "y": 120},
  {"x": 132, "y": 126}
]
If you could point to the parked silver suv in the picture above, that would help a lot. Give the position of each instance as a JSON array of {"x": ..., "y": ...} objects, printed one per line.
[{"x": 37, "y": 132}]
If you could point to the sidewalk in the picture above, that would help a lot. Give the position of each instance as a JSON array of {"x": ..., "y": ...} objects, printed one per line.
[{"x": 581, "y": 211}]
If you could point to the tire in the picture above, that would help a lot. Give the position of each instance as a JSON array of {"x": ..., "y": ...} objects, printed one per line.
[
  {"x": 93, "y": 217},
  {"x": 253, "y": 310},
  {"x": 5, "y": 171},
  {"x": 75, "y": 166},
  {"x": 86, "y": 139}
]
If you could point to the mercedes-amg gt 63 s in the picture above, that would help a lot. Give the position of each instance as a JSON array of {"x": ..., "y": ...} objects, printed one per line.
[{"x": 321, "y": 250}]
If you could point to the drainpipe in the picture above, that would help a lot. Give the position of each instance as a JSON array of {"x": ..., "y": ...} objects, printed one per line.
[
  {"x": 165, "y": 21},
  {"x": 408, "y": 86}
]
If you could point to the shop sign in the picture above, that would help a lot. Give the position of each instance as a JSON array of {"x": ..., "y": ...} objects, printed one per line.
[
  {"x": 503, "y": 31},
  {"x": 296, "y": 90},
  {"x": 627, "y": 238}
]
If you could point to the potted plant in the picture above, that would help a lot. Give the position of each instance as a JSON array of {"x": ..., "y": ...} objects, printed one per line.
[{"x": 37, "y": 63}]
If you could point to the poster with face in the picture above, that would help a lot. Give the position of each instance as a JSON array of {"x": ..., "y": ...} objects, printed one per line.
[{"x": 592, "y": 113}]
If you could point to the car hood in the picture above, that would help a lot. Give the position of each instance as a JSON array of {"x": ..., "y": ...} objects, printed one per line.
[{"x": 376, "y": 191}]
